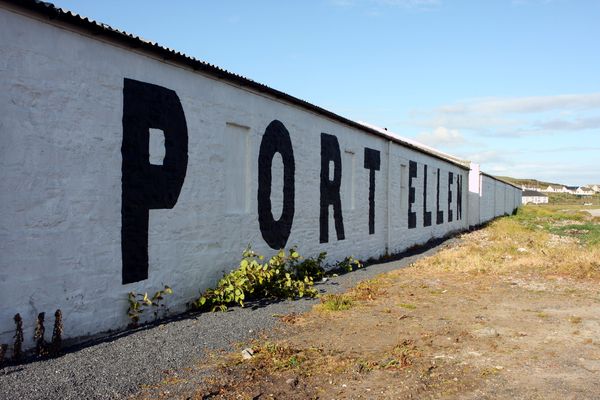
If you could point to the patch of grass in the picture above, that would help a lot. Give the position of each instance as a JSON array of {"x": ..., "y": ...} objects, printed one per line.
[
  {"x": 288, "y": 318},
  {"x": 367, "y": 290},
  {"x": 405, "y": 351},
  {"x": 402, "y": 355},
  {"x": 489, "y": 371},
  {"x": 275, "y": 357},
  {"x": 293, "y": 362},
  {"x": 561, "y": 220},
  {"x": 408, "y": 306},
  {"x": 336, "y": 302},
  {"x": 588, "y": 233},
  {"x": 528, "y": 242},
  {"x": 571, "y": 199},
  {"x": 363, "y": 366},
  {"x": 534, "y": 217},
  {"x": 278, "y": 356}
]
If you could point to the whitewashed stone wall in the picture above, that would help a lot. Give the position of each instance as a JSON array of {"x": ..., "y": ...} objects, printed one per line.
[{"x": 62, "y": 131}]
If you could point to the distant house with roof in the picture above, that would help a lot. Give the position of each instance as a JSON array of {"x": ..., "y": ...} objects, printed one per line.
[
  {"x": 533, "y": 197},
  {"x": 594, "y": 188},
  {"x": 555, "y": 189},
  {"x": 572, "y": 189},
  {"x": 584, "y": 191}
]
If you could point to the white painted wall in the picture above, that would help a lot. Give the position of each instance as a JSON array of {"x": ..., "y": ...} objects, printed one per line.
[
  {"x": 61, "y": 104},
  {"x": 535, "y": 199},
  {"x": 475, "y": 192}
]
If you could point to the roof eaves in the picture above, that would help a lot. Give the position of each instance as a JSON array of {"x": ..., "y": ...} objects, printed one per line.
[
  {"x": 500, "y": 180},
  {"x": 70, "y": 18}
]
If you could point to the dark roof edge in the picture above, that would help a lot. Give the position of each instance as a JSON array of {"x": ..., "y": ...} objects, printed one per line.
[
  {"x": 501, "y": 180},
  {"x": 57, "y": 14},
  {"x": 529, "y": 193}
]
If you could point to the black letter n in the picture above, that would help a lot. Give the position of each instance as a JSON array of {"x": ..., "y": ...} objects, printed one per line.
[{"x": 146, "y": 186}]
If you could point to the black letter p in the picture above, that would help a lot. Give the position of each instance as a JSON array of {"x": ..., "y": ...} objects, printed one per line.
[{"x": 146, "y": 186}]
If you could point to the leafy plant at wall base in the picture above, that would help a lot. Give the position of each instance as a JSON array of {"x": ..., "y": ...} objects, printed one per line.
[
  {"x": 158, "y": 298},
  {"x": 138, "y": 303},
  {"x": 56, "y": 345},
  {"x": 284, "y": 275},
  {"x": 349, "y": 263},
  {"x": 3, "y": 350},
  {"x": 17, "y": 348},
  {"x": 38, "y": 336},
  {"x": 311, "y": 267}
]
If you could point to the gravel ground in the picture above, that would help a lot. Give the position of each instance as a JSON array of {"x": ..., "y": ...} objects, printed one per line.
[{"x": 116, "y": 367}]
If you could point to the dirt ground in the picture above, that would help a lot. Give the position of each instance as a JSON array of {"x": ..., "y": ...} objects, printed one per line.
[{"x": 446, "y": 327}]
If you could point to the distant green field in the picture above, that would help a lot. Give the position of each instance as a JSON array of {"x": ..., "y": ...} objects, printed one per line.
[{"x": 563, "y": 220}]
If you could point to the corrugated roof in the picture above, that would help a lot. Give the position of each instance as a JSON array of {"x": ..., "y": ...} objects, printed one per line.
[
  {"x": 448, "y": 157},
  {"x": 54, "y": 13}
]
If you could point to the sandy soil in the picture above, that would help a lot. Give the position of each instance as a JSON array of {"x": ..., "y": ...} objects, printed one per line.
[{"x": 420, "y": 334}]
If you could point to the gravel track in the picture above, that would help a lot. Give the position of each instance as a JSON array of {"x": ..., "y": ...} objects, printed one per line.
[{"x": 116, "y": 367}]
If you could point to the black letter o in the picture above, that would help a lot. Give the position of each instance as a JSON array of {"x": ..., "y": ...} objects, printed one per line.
[{"x": 275, "y": 140}]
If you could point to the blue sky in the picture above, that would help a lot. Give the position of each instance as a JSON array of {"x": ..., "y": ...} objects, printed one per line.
[{"x": 511, "y": 84}]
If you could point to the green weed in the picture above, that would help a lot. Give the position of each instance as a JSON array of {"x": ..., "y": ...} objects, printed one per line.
[{"x": 336, "y": 302}]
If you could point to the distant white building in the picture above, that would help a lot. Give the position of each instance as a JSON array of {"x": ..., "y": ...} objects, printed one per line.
[
  {"x": 523, "y": 187},
  {"x": 533, "y": 197},
  {"x": 584, "y": 191},
  {"x": 594, "y": 188},
  {"x": 555, "y": 189}
]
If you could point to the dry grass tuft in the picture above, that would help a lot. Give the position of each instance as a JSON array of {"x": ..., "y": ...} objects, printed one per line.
[
  {"x": 522, "y": 243},
  {"x": 335, "y": 302},
  {"x": 368, "y": 290},
  {"x": 306, "y": 361}
]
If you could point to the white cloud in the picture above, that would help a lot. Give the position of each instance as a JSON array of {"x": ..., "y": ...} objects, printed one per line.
[
  {"x": 441, "y": 136},
  {"x": 527, "y": 105},
  {"x": 577, "y": 149},
  {"x": 515, "y": 117},
  {"x": 577, "y": 124}
]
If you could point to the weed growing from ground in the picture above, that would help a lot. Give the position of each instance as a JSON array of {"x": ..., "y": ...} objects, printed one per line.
[
  {"x": 18, "y": 345},
  {"x": 41, "y": 347},
  {"x": 3, "y": 350},
  {"x": 138, "y": 303},
  {"x": 56, "y": 345},
  {"x": 407, "y": 306},
  {"x": 336, "y": 302},
  {"x": 286, "y": 275}
]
